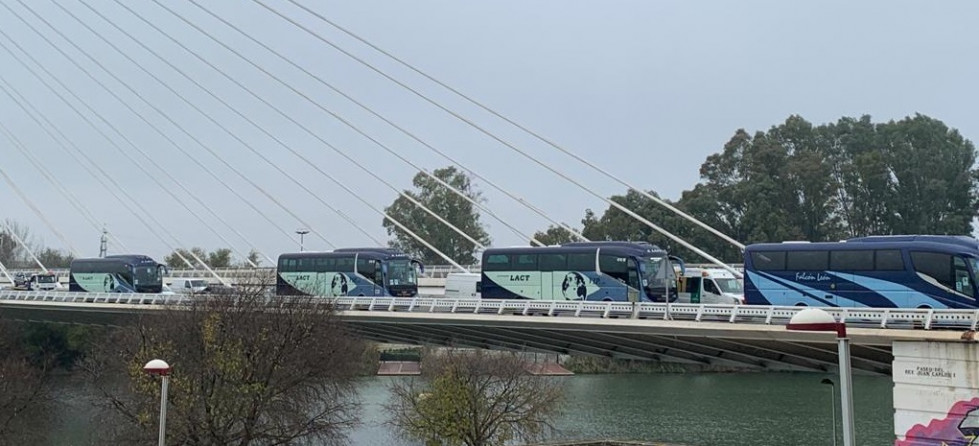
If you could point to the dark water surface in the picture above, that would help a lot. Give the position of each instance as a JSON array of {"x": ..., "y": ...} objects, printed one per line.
[{"x": 693, "y": 409}]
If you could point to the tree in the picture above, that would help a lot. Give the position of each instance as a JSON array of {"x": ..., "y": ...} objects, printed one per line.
[
  {"x": 446, "y": 204},
  {"x": 254, "y": 257},
  {"x": 52, "y": 258},
  {"x": 219, "y": 258},
  {"x": 12, "y": 252},
  {"x": 474, "y": 398},
  {"x": 555, "y": 235},
  {"x": 24, "y": 392},
  {"x": 849, "y": 178},
  {"x": 247, "y": 369}
]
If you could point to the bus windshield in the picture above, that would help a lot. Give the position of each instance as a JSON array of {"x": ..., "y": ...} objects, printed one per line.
[
  {"x": 728, "y": 285},
  {"x": 658, "y": 272},
  {"x": 147, "y": 274},
  {"x": 401, "y": 272}
]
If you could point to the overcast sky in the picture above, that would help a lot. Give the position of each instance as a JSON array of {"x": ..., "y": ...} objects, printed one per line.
[{"x": 646, "y": 89}]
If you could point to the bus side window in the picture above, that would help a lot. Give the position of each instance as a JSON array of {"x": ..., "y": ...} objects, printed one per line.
[{"x": 962, "y": 281}]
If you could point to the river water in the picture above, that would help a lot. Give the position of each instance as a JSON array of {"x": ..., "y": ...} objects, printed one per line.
[
  {"x": 756, "y": 409},
  {"x": 694, "y": 409}
]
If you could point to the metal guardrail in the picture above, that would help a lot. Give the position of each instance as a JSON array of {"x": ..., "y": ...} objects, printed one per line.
[
  {"x": 900, "y": 318},
  {"x": 75, "y": 297},
  {"x": 749, "y": 314}
]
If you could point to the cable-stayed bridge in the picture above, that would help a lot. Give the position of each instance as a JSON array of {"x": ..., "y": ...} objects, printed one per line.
[{"x": 737, "y": 337}]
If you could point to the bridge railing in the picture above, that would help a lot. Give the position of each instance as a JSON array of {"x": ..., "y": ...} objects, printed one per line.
[
  {"x": 902, "y": 318},
  {"x": 899, "y": 318}
]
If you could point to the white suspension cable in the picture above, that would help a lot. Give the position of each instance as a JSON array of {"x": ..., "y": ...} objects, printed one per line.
[
  {"x": 95, "y": 165},
  {"x": 149, "y": 173},
  {"x": 505, "y": 143},
  {"x": 232, "y": 134},
  {"x": 536, "y": 135},
  {"x": 3, "y": 269},
  {"x": 332, "y": 113},
  {"x": 197, "y": 162},
  {"x": 29, "y": 202},
  {"x": 300, "y": 125},
  {"x": 20, "y": 241},
  {"x": 369, "y": 110},
  {"x": 72, "y": 199},
  {"x": 397, "y": 223}
]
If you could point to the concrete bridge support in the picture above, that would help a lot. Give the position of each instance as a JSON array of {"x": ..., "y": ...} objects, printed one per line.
[{"x": 936, "y": 392}]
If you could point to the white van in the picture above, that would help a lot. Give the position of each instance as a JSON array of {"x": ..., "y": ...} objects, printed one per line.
[
  {"x": 188, "y": 286},
  {"x": 710, "y": 286},
  {"x": 463, "y": 286}
]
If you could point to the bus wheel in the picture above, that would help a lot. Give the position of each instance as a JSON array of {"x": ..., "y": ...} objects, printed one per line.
[
  {"x": 800, "y": 304},
  {"x": 924, "y": 307}
]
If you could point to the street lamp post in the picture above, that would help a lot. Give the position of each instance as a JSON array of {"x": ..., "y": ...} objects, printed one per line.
[
  {"x": 832, "y": 405},
  {"x": 301, "y": 232},
  {"x": 160, "y": 368},
  {"x": 815, "y": 319}
]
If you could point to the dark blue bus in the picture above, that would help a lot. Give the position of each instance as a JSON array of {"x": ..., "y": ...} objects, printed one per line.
[
  {"x": 601, "y": 271},
  {"x": 131, "y": 273},
  {"x": 348, "y": 272},
  {"x": 908, "y": 271}
]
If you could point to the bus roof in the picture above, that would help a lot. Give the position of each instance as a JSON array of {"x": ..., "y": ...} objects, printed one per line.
[
  {"x": 375, "y": 253},
  {"x": 641, "y": 249},
  {"x": 127, "y": 258},
  {"x": 961, "y": 240},
  {"x": 953, "y": 247}
]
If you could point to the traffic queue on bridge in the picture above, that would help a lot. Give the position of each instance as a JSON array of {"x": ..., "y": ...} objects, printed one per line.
[{"x": 876, "y": 271}]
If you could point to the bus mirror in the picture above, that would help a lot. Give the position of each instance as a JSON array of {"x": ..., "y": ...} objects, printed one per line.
[{"x": 421, "y": 266}]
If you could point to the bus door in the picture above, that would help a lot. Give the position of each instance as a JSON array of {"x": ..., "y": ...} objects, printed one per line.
[
  {"x": 633, "y": 280},
  {"x": 547, "y": 285}
]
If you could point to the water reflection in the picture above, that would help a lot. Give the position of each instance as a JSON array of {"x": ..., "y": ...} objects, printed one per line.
[{"x": 708, "y": 409}]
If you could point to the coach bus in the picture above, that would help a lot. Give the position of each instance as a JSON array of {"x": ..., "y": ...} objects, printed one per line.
[
  {"x": 598, "y": 271},
  {"x": 117, "y": 274},
  {"x": 348, "y": 272},
  {"x": 876, "y": 271}
]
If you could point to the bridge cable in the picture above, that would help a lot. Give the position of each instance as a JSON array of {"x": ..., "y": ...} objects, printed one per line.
[
  {"x": 174, "y": 195},
  {"x": 125, "y": 154},
  {"x": 28, "y": 108},
  {"x": 165, "y": 116},
  {"x": 300, "y": 125},
  {"x": 512, "y": 147},
  {"x": 103, "y": 172},
  {"x": 3, "y": 270},
  {"x": 235, "y": 136},
  {"x": 28, "y": 201},
  {"x": 21, "y": 241},
  {"x": 346, "y": 122},
  {"x": 527, "y": 130},
  {"x": 369, "y": 110},
  {"x": 196, "y": 161},
  {"x": 72, "y": 199},
  {"x": 339, "y": 183}
]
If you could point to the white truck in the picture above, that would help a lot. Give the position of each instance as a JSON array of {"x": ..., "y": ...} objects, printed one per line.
[
  {"x": 463, "y": 286},
  {"x": 38, "y": 282},
  {"x": 710, "y": 286}
]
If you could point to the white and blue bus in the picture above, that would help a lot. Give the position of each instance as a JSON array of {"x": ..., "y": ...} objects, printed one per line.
[
  {"x": 348, "y": 272},
  {"x": 598, "y": 271},
  {"x": 117, "y": 274},
  {"x": 911, "y": 271}
]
